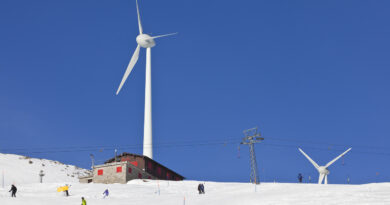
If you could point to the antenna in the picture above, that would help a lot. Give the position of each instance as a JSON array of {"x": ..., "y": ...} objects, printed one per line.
[
  {"x": 251, "y": 137},
  {"x": 92, "y": 161}
]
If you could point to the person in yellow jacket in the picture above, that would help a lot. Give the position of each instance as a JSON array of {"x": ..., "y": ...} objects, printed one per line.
[
  {"x": 64, "y": 189},
  {"x": 83, "y": 202}
]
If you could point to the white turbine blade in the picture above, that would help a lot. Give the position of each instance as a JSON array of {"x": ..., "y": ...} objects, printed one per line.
[
  {"x": 312, "y": 162},
  {"x": 170, "y": 34},
  {"x": 132, "y": 62},
  {"x": 320, "y": 178},
  {"x": 326, "y": 179},
  {"x": 139, "y": 19},
  {"x": 335, "y": 159}
]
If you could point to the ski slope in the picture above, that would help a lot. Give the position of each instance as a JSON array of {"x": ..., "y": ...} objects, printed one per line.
[
  {"x": 185, "y": 192},
  {"x": 23, "y": 172},
  {"x": 18, "y": 169}
]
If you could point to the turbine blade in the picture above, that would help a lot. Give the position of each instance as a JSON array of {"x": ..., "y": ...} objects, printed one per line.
[
  {"x": 170, "y": 34},
  {"x": 132, "y": 62},
  {"x": 139, "y": 19},
  {"x": 326, "y": 179},
  {"x": 312, "y": 161},
  {"x": 335, "y": 159}
]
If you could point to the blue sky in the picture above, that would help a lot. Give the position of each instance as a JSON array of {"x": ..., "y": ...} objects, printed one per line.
[{"x": 310, "y": 74}]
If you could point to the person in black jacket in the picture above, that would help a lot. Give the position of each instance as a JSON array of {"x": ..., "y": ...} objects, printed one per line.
[
  {"x": 13, "y": 190},
  {"x": 202, "y": 188},
  {"x": 300, "y": 177}
]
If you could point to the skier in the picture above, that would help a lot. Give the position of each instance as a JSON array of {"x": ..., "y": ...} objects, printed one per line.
[
  {"x": 300, "y": 177},
  {"x": 13, "y": 190},
  {"x": 200, "y": 188},
  {"x": 105, "y": 193},
  {"x": 83, "y": 202},
  {"x": 66, "y": 190}
]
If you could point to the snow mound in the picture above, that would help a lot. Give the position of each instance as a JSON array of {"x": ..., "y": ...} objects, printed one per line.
[{"x": 18, "y": 169}]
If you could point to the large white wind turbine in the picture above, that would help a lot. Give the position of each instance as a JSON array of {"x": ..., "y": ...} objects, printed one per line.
[
  {"x": 144, "y": 41},
  {"x": 323, "y": 170}
]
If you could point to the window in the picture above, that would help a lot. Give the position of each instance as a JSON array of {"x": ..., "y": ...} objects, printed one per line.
[
  {"x": 135, "y": 163},
  {"x": 168, "y": 175},
  {"x": 140, "y": 175},
  {"x": 130, "y": 170},
  {"x": 150, "y": 165},
  {"x": 159, "y": 171},
  {"x": 118, "y": 169},
  {"x": 100, "y": 172}
]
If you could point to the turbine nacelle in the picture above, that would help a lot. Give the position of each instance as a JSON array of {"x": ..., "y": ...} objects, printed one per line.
[
  {"x": 323, "y": 170},
  {"x": 145, "y": 41}
]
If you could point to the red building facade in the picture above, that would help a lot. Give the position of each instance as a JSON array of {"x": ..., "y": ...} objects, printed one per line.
[{"x": 151, "y": 167}]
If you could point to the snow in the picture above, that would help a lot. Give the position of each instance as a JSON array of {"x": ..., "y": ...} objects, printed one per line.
[
  {"x": 19, "y": 169},
  {"x": 142, "y": 192},
  {"x": 185, "y": 192}
]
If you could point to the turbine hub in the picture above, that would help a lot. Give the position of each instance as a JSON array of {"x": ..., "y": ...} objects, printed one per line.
[
  {"x": 323, "y": 170},
  {"x": 145, "y": 41}
]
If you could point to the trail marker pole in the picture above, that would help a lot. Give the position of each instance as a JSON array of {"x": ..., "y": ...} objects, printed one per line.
[
  {"x": 255, "y": 187},
  {"x": 158, "y": 187},
  {"x": 377, "y": 174},
  {"x": 252, "y": 137},
  {"x": 41, "y": 174}
]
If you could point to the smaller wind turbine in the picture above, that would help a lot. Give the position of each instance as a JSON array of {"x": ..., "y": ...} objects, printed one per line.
[{"x": 323, "y": 170}]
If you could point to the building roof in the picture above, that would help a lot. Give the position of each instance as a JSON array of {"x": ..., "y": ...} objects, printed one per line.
[
  {"x": 125, "y": 154},
  {"x": 141, "y": 156}
]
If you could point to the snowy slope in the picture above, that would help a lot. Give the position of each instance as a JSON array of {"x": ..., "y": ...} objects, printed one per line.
[
  {"x": 171, "y": 193},
  {"x": 21, "y": 170}
]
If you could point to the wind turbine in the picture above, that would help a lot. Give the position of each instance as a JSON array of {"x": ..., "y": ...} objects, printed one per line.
[
  {"x": 323, "y": 170},
  {"x": 144, "y": 41}
]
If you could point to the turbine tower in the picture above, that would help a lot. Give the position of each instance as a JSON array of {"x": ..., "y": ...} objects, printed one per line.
[
  {"x": 144, "y": 41},
  {"x": 323, "y": 170}
]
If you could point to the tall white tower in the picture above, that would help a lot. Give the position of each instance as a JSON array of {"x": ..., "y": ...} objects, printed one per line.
[{"x": 148, "y": 135}]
